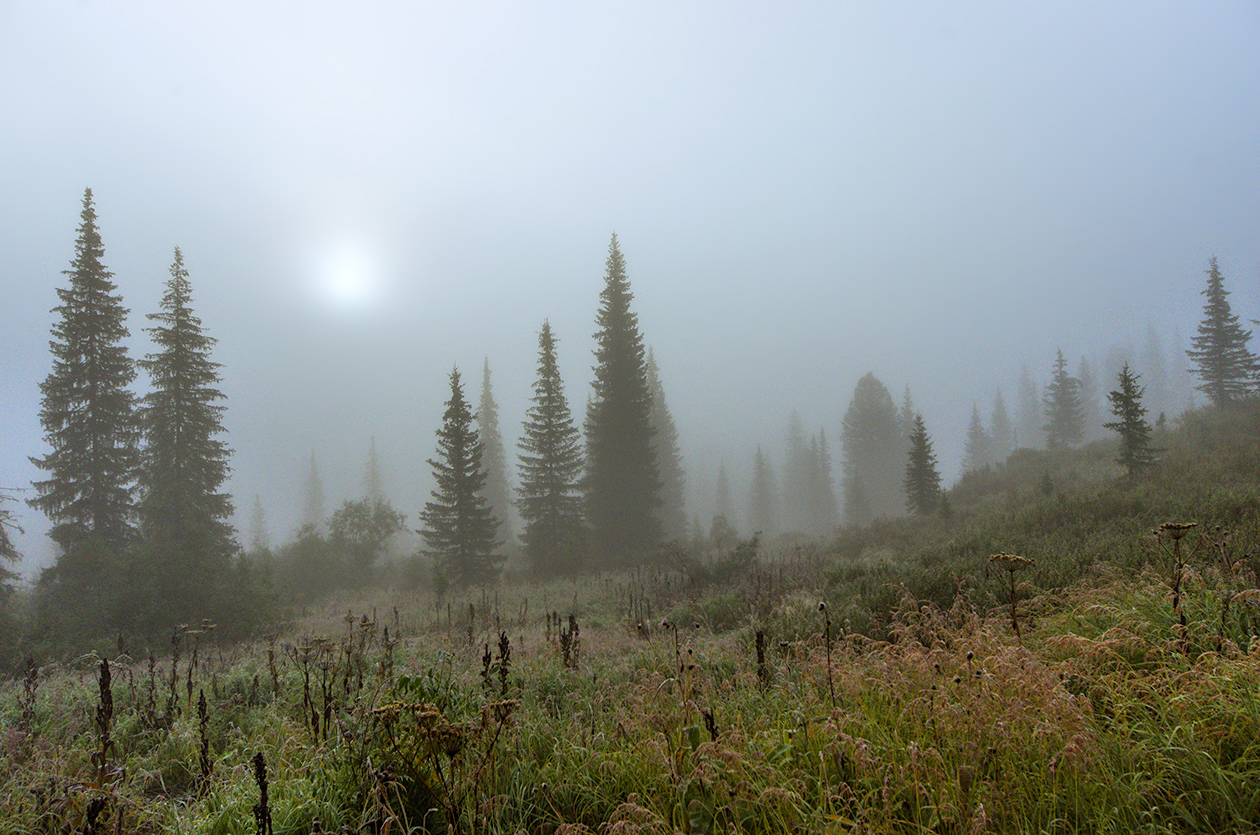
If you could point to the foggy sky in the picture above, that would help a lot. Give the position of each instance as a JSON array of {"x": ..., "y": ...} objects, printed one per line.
[{"x": 803, "y": 192}]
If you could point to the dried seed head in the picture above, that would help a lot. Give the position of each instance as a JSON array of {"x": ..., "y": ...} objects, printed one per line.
[
  {"x": 822, "y": 606},
  {"x": 1011, "y": 562},
  {"x": 970, "y": 655},
  {"x": 1175, "y": 530}
]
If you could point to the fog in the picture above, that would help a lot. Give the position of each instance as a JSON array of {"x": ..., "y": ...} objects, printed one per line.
[{"x": 936, "y": 193}]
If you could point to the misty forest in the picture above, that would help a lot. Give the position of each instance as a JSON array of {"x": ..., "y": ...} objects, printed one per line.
[{"x": 618, "y": 570}]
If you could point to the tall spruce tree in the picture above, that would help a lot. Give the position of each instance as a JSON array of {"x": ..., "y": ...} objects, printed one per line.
[
  {"x": 459, "y": 527},
  {"x": 550, "y": 466},
  {"x": 763, "y": 501},
  {"x": 1130, "y": 423},
  {"x": 184, "y": 512},
  {"x": 1226, "y": 369},
  {"x": 672, "y": 512},
  {"x": 498, "y": 491},
  {"x": 874, "y": 456},
  {"x": 87, "y": 410},
  {"x": 622, "y": 481},
  {"x": 88, "y": 415},
  {"x": 923, "y": 480},
  {"x": 978, "y": 448},
  {"x": 1065, "y": 417}
]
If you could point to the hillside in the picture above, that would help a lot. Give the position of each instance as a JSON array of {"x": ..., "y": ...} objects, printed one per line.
[{"x": 1110, "y": 686}]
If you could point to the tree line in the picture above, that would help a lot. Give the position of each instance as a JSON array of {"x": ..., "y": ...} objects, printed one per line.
[{"x": 134, "y": 485}]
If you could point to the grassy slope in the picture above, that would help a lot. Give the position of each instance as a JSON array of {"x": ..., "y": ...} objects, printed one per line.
[{"x": 924, "y": 714}]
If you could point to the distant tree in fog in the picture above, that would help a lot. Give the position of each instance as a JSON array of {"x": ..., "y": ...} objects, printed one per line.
[
  {"x": 905, "y": 421},
  {"x": 550, "y": 466},
  {"x": 797, "y": 478},
  {"x": 873, "y": 454},
  {"x": 1091, "y": 401},
  {"x": 724, "y": 506},
  {"x": 1130, "y": 423},
  {"x": 1000, "y": 430},
  {"x": 359, "y": 531},
  {"x": 922, "y": 483},
  {"x": 672, "y": 511},
  {"x": 259, "y": 536},
  {"x": 459, "y": 527},
  {"x": 622, "y": 481},
  {"x": 763, "y": 499},
  {"x": 1031, "y": 435},
  {"x": 498, "y": 492},
  {"x": 978, "y": 447},
  {"x": 1065, "y": 418},
  {"x": 314, "y": 513},
  {"x": 1226, "y": 369},
  {"x": 824, "y": 512},
  {"x": 1155, "y": 371},
  {"x": 373, "y": 483}
]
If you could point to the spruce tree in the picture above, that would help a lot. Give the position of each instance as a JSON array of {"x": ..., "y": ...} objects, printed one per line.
[
  {"x": 459, "y": 527},
  {"x": 1065, "y": 418},
  {"x": 873, "y": 454},
  {"x": 978, "y": 448},
  {"x": 1135, "y": 433},
  {"x": 622, "y": 481},
  {"x": 672, "y": 512},
  {"x": 88, "y": 414},
  {"x": 762, "y": 498},
  {"x": 1226, "y": 369},
  {"x": 1001, "y": 430},
  {"x": 184, "y": 512},
  {"x": 550, "y": 466},
  {"x": 923, "y": 481},
  {"x": 498, "y": 491}
]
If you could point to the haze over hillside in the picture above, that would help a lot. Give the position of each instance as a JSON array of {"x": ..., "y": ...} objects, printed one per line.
[{"x": 935, "y": 194}]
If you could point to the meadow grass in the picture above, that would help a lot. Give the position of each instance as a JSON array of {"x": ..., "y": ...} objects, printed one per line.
[{"x": 1111, "y": 687}]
